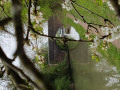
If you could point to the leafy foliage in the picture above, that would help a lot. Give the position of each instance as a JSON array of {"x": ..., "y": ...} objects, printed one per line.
[
  {"x": 7, "y": 9},
  {"x": 58, "y": 75},
  {"x": 112, "y": 54},
  {"x": 48, "y": 7},
  {"x": 99, "y": 2}
]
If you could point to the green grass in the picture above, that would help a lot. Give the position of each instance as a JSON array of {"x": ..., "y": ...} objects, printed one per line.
[
  {"x": 91, "y": 5},
  {"x": 77, "y": 27},
  {"x": 100, "y": 10},
  {"x": 112, "y": 54},
  {"x": 86, "y": 78},
  {"x": 7, "y": 9}
]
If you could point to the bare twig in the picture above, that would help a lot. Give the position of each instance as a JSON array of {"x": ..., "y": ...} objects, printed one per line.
[
  {"x": 106, "y": 20},
  {"x": 84, "y": 19},
  {"x": 81, "y": 40},
  {"x": 39, "y": 79},
  {"x": 78, "y": 13},
  {"x": 35, "y": 5},
  {"x": 29, "y": 20},
  {"x": 92, "y": 25},
  {"x": 53, "y": 37},
  {"x": 8, "y": 63},
  {"x": 105, "y": 36}
]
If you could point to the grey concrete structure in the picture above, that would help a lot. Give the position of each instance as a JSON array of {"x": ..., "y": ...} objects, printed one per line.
[{"x": 55, "y": 53}]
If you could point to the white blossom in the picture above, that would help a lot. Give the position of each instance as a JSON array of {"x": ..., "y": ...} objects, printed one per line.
[
  {"x": 110, "y": 6},
  {"x": 37, "y": 18},
  {"x": 38, "y": 7},
  {"x": 115, "y": 33},
  {"x": 95, "y": 43},
  {"x": 32, "y": 18},
  {"x": 67, "y": 5},
  {"x": 32, "y": 8},
  {"x": 3, "y": 1}
]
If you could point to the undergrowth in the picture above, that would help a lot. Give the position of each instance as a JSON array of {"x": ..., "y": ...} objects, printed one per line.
[{"x": 58, "y": 76}]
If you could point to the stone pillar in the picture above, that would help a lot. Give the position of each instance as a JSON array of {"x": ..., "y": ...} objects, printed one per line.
[{"x": 55, "y": 53}]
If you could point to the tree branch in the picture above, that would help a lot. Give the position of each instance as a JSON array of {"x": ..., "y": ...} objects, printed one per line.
[
  {"x": 9, "y": 64},
  {"x": 62, "y": 38},
  {"x": 38, "y": 78},
  {"x": 5, "y": 21},
  {"x": 84, "y": 19},
  {"x": 106, "y": 20},
  {"x": 29, "y": 20}
]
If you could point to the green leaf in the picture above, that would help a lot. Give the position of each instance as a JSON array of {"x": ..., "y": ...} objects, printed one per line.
[{"x": 99, "y": 2}]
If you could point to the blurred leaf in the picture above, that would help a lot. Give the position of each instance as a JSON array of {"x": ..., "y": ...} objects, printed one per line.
[
  {"x": 37, "y": 58},
  {"x": 99, "y": 2}
]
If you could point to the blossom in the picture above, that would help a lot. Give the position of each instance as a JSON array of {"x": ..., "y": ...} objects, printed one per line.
[
  {"x": 86, "y": 35},
  {"x": 67, "y": 5},
  {"x": 32, "y": 8},
  {"x": 3, "y": 1},
  {"x": 39, "y": 18},
  {"x": 32, "y": 17},
  {"x": 92, "y": 46},
  {"x": 96, "y": 41},
  {"x": 90, "y": 38},
  {"x": 38, "y": 7},
  {"x": 110, "y": 6}
]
